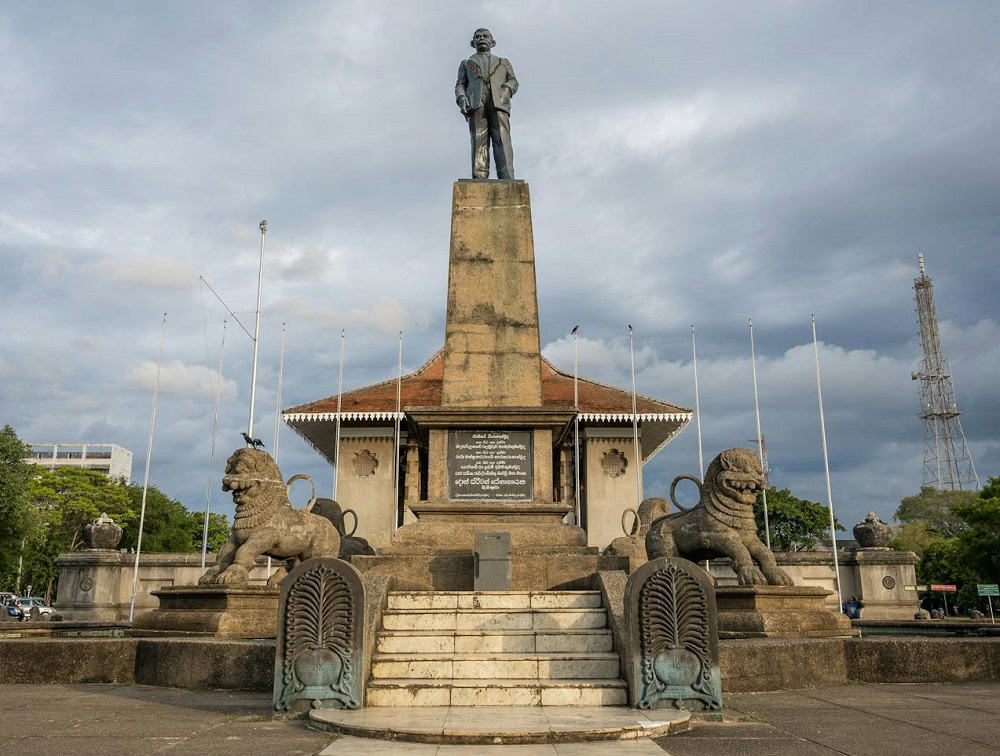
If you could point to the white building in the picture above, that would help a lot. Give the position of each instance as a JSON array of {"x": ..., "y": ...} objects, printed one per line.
[{"x": 110, "y": 459}]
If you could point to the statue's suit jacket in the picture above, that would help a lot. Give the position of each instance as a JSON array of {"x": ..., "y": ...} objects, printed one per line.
[{"x": 471, "y": 82}]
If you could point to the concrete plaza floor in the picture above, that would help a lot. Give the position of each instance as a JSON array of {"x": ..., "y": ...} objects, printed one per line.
[{"x": 852, "y": 719}]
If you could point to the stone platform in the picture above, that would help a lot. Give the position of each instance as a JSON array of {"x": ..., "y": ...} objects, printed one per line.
[
  {"x": 532, "y": 569},
  {"x": 778, "y": 611},
  {"x": 216, "y": 610},
  {"x": 502, "y": 725}
]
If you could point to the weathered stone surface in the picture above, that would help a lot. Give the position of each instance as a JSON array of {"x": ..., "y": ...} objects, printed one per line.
[
  {"x": 205, "y": 663},
  {"x": 102, "y": 533},
  {"x": 318, "y": 658},
  {"x": 249, "y": 612},
  {"x": 764, "y": 611},
  {"x": 633, "y": 544},
  {"x": 491, "y": 352},
  {"x": 722, "y": 523},
  {"x": 611, "y": 584},
  {"x": 747, "y": 665},
  {"x": 923, "y": 659},
  {"x": 67, "y": 661},
  {"x": 673, "y": 641},
  {"x": 377, "y": 589},
  {"x": 782, "y": 663},
  {"x": 872, "y": 532}
]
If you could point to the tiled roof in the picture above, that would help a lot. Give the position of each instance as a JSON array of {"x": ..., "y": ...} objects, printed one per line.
[{"x": 422, "y": 388}]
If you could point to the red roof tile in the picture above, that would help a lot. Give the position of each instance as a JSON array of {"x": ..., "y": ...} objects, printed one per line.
[{"x": 423, "y": 389}]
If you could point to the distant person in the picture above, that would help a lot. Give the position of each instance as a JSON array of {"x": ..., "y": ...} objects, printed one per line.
[{"x": 852, "y": 608}]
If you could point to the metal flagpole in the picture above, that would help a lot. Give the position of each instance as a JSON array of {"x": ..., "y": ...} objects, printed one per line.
[
  {"x": 576, "y": 426},
  {"x": 211, "y": 456},
  {"x": 697, "y": 406},
  {"x": 256, "y": 330},
  {"x": 336, "y": 442},
  {"x": 277, "y": 414},
  {"x": 826, "y": 465},
  {"x": 281, "y": 376},
  {"x": 395, "y": 469},
  {"x": 145, "y": 482},
  {"x": 635, "y": 428},
  {"x": 760, "y": 439}
]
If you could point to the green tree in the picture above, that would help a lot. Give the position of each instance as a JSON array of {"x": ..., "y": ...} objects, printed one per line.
[
  {"x": 936, "y": 510},
  {"x": 796, "y": 524},
  {"x": 218, "y": 530},
  {"x": 945, "y": 562},
  {"x": 15, "y": 473},
  {"x": 915, "y": 537},
  {"x": 62, "y": 502},
  {"x": 169, "y": 525},
  {"x": 980, "y": 541}
]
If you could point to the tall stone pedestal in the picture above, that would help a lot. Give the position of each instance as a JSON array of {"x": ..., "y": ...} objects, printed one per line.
[
  {"x": 775, "y": 611},
  {"x": 491, "y": 444},
  {"x": 213, "y": 610}
]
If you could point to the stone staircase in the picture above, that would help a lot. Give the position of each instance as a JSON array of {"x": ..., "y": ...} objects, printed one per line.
[{"x": 465, "y": 648}]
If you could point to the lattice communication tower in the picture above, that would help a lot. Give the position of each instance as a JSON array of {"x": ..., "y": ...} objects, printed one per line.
[{"x": 947, "y": 462}]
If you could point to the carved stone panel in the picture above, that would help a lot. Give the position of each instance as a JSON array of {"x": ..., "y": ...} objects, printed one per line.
[
  {"x": 318, "y": 655},
  {"x": 672, "y": 631},
  {"x": 614, "y": 463}
]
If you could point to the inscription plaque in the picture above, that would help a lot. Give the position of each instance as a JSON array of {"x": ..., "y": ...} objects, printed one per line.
[{"x": 490, "y": 465}]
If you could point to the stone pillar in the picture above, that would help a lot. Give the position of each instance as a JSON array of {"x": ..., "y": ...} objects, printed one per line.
[
  {"x": 365, "y": 482},
  {"x": 610, "y": 482},
  {"x": 491, "y": 349}
]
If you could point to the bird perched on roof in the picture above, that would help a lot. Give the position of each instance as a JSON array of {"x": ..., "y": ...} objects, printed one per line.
[{"x": 256, "y": 443}]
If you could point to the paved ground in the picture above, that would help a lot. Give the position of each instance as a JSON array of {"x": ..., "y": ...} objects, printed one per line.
[{"x": 853, "y": 719}]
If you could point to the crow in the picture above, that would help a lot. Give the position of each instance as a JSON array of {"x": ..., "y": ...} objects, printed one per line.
[{"x": 256, "y": 443}]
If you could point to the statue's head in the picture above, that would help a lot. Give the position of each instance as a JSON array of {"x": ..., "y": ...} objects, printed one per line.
[
  {"x": 249, "y": 473},
  {"x": 737, "y": 475},
  {"x": 482, "y": 40}
]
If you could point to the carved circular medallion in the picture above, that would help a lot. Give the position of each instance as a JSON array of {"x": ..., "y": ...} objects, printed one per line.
[
  {"x": 365, "y": 463},
  {"x": 888, "y": 582},
  {"x": 614, "y": 463},
  {"x": 86, "y": 584}
]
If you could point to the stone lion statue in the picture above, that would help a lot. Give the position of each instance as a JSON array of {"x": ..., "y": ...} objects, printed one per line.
[
  {"x": 633, "y": 543},
  {"x": 722, "y": 523},
  {"x": 266, "y": 524},
  {"x": 350, "y": 544}
]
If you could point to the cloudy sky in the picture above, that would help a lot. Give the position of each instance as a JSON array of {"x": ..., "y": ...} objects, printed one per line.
[{"x": 688, "y": 162}]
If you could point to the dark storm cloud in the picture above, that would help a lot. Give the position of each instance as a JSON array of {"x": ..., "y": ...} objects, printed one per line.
[{"x": 689, "y": 163}]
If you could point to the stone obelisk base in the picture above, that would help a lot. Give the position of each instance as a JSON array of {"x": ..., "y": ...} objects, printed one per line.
[
  {"x": 217, "y": 610},
  {"x": 777, "y": 611}
]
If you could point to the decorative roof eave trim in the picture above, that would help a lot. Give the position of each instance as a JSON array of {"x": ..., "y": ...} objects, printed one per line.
[
  {"x": 299, "y": 417},
  {"x": 645, "y": 417}
]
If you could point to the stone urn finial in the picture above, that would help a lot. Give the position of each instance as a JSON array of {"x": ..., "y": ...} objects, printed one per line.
[
  {"x": 103, "y": 533},
  {"x": 872, "y": 532}
]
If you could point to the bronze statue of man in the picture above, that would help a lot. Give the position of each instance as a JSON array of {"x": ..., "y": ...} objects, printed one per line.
[{"x": 486, "y": 83}]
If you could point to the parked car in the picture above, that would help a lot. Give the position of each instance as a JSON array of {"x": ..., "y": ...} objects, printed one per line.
[
  {"x": 12, "y": 609},
  {"x": 27, "y": 603}
]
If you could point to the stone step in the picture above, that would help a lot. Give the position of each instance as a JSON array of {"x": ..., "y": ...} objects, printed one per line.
[
  {"x": 513, "y": 641},
  {"x": 495, "y": 692},
  {"x": 494, "y": 600},
  {"x": 502, "y": 666},
  {"x": 493, "y": 619}
]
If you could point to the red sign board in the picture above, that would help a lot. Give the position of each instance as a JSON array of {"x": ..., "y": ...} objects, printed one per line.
[{"x": 944, "y": 587}]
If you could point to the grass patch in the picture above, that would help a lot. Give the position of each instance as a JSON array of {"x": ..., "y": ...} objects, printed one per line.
[{"x": 751, "y": 719}]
